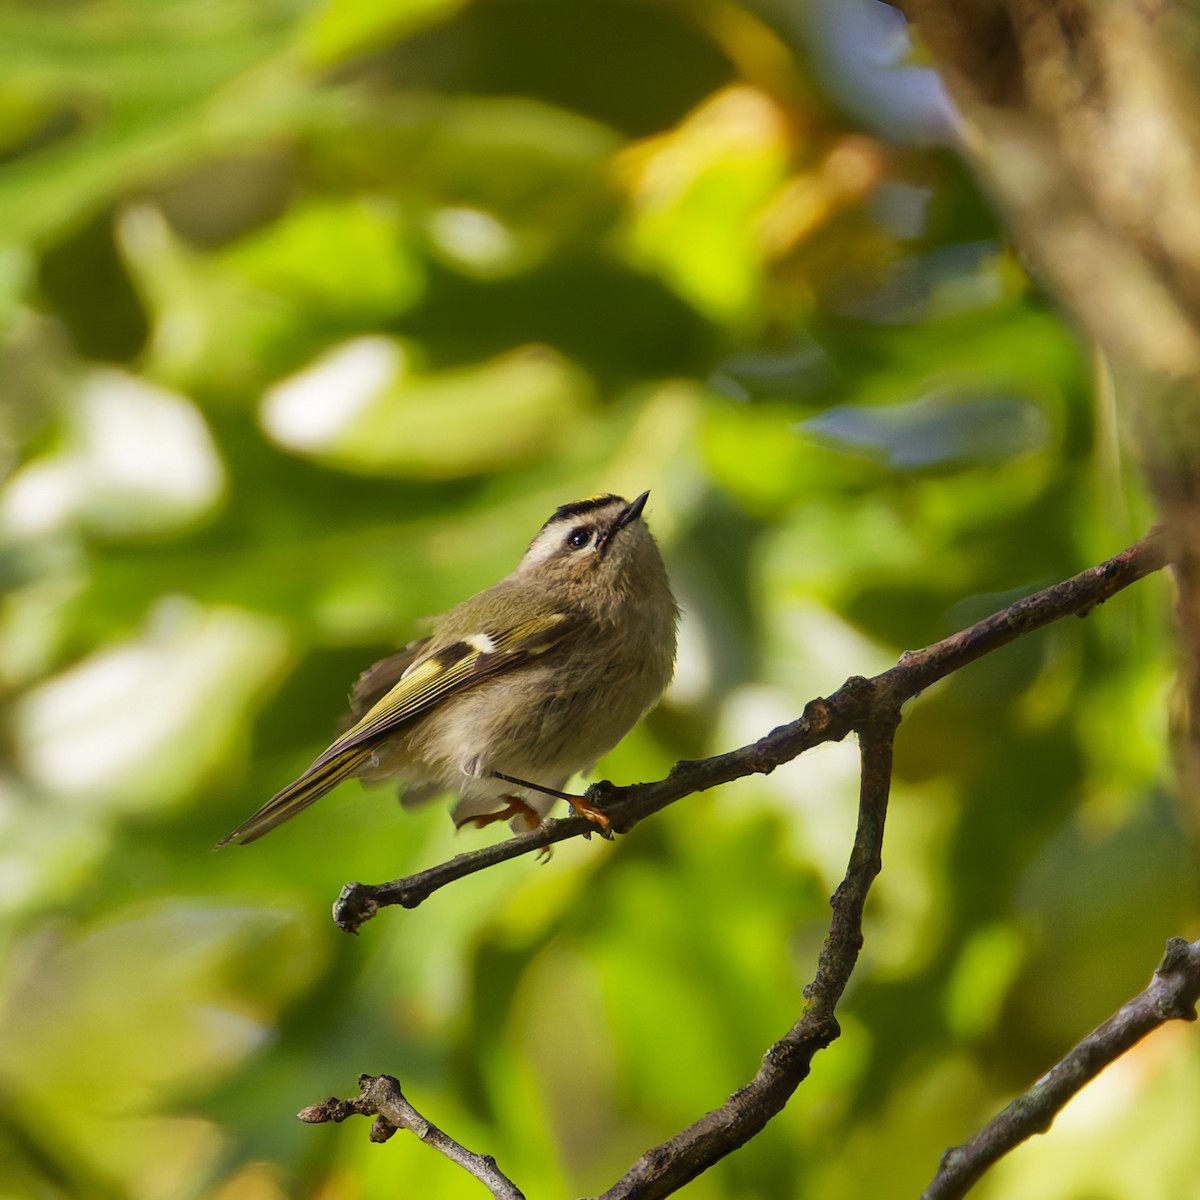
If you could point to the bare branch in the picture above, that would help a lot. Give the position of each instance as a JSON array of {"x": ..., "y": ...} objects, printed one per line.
[
  {"x": 380, "y": 1097},
  {"x": 871, "y": 708},
  {"x": 852, "y": 707},
  {"x": 667, "y": 1167},
  {"x": 1171, "y": 995}
]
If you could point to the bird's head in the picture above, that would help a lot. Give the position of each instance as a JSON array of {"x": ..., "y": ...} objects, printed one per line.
[{"x": 596, "y": 546}]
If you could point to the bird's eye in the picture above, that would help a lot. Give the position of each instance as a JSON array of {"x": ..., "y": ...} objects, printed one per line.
[{"x": 579, "y": 537}]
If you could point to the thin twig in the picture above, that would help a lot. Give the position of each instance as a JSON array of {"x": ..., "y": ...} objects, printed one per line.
[
  {"x": 380, "y": 1097},
  {"x": 870, "y": 707},
  {"x": 1171, "y": 995},
  {"x": 824, "y": 720},
  {"x": 667, "y": 1167}
]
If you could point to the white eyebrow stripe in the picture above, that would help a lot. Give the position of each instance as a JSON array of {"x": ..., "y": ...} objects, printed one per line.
[
  {"x": 481, "y": 642},
  {"x": 548, "y": 542}
]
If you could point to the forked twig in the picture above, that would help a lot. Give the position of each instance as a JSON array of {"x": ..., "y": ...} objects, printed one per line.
[
  {"x": 871, "y": 708},
  {"x": 381, "y": 1097}
]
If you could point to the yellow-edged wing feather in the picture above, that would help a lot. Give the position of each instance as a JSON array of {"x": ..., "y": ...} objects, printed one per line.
[{"x": 435, "y": 672}]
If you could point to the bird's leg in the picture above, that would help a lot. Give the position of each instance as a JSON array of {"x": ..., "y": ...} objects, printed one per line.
[
  {"x": 516, "y": 808},
  {"x": 580, "y": 804}
]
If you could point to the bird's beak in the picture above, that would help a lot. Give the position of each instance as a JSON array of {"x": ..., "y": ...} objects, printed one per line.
[
  {"x": 632, "y": 512},
  {"x": 627, "y": 516}
]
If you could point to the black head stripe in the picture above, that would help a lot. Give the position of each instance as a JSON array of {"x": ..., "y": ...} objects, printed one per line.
[{"x": 567, "y": 511}]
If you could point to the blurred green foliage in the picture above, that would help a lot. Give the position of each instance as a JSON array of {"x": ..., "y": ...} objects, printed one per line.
[{"x": 309, "y": 314}]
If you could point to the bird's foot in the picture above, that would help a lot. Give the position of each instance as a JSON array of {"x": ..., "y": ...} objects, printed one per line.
[
  {"x": 581, "y": 804},
  {"x": 516, "y": 808},
  {"x": 585, "y": 808}
]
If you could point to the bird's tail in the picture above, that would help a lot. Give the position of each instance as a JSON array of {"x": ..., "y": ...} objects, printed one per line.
[{"x": 320, "y": 778}]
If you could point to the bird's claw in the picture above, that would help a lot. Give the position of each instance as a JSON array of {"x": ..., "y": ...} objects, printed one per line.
[{"x": 598, "y": 817}]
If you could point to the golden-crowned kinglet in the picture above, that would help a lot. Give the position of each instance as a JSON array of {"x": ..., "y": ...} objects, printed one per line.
[{"x": 518, "y": 687}]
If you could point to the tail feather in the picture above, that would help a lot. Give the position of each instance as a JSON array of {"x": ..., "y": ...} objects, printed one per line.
[{"x": 296, "y": 797}]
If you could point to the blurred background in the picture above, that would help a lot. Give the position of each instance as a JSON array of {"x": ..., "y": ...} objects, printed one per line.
[{"x": 310, "y": 314}]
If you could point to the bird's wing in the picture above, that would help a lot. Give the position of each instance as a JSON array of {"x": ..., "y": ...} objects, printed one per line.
[
  {"x": 435, "y": 673},
  {"x": 451, "y": 667},
  {"x": 379, "y": 679}
]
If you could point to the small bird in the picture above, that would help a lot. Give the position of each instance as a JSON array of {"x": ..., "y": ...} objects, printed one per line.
[{"x": 517, "y": 688}]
